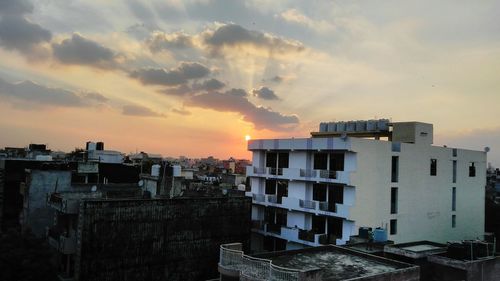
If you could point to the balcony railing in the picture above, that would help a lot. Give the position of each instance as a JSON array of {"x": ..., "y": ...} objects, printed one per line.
[
  {"x": 307, "y": 235},
  {"x": 252, "y": 268},
  {"x": 259, "y": 197},
  {"x": 326, "y": 239},
  {"x": 276, "y": 171},
  {"x": 328, "y": 207},
  {"x": 327, "y": 174},
  {"x": 258, "y": 224},
  {"x": 272, "y": 199},
  {"x": 273, "y": 228},
  {"x": 308, "y": 173},
  {"x": 307, "y": 204},
  {"x": 258, "y": 170}
]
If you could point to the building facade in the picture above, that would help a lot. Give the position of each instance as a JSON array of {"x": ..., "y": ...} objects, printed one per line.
[{"x": 321, "y": 190}]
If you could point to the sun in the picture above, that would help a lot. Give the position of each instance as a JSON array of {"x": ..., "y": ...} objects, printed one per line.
[{"x": 248, "y": 137}]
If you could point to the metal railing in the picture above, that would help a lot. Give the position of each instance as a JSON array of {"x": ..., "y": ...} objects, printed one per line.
[
  {"x": 327, "y": 174},
  {"x": 253, "y": 268},
  {"x": 328, "y": 207},
  {"x": 276, "y": 171},
  {"x": 258, "y": 170},
  {"x": 259, "y": 197},
  {"x": 258, "y": 224},
  {"x": 273, "y": 228},
  {"x": 272, "y": 199},
  {"x": 307, "y": 173},
  {"x": 308, "y": 204}
]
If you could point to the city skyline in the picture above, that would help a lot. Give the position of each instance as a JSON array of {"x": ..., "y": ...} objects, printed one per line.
[{"x": 195, "y": 77}]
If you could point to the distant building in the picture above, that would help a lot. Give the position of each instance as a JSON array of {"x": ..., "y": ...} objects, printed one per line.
[
  {"x": 106, "y": 239},
  {"x": 328, "y": 263},
  {"x": 96, "y": 152},
  {"x": 321, "y": 190}
]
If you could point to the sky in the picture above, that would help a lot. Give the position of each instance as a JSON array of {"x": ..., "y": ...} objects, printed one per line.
[{"x": 194, "y": 77}]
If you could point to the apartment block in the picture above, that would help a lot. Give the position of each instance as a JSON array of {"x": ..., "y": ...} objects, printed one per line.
[{"x": 321, "y": 190}]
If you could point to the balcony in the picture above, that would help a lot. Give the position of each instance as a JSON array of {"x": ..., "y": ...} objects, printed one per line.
[
  {"x": 62, "y": 241},
  {"x": 327, "y": 176},
  {"x": 258, "y": 197},
  {"x": 316, "y": 207},
  {"x": 62, "y": 204},
  {"x": 307, "y": 204},
  {"x": 273, "y": 228},
  {"x": 258, "y": 225}
]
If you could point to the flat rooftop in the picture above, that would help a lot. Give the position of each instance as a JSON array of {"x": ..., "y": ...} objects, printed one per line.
[
  {"x": 416, "y": 250},
  {"x": 337, "y": 263}
]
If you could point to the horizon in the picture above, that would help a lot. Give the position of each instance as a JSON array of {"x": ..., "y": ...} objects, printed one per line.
[{"x": 199, "y": 76}]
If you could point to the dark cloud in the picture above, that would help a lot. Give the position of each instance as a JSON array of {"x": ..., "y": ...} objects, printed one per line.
[
  {"x": 160, "y": 41},
  {"x": 276, "y": 79},
  {"x": 233, "y": 101},
  {"x": 234, "y": 35},
  {"x": 265, "y": 93},
  {"x": 28, "y": 93},
  {"x": 15, "y": 7},
  {"x": 94, "y": 96},
  {"x": 81, "y": 51},
  {"x": 209, "y": 85},
  {"x": 177, "y": 76},
  {"x": 138, "y": 110},
  {"x": 17, "y": 33},
  {"x": 181, "y": 111}
]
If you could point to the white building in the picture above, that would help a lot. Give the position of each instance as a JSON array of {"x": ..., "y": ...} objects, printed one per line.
[{"x": 321, "y": 190}]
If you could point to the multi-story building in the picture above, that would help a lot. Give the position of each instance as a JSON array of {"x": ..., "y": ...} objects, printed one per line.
[{"x": 321, "y": 190}]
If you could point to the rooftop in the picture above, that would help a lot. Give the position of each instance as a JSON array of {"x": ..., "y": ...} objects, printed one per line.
[{"x": 416, "y": 250}]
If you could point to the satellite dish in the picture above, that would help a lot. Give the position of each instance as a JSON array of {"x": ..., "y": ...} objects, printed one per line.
[
  {"x": 94, "y": 188},
  {"x": 487, "y": 149},
  {"x": 140, "y": 183}
]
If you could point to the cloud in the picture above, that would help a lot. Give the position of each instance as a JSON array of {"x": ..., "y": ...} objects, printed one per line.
[
  {"x": 181, "y": 111},
  {"x": 94, "y": 96},
  {"x": 82, "y": 51},
  {"x": 19, "y": 33},
  {"x": 27, "y": 93},
  {"x": 234, "y": 101},
  {"x": 160, "y": 41},
  {"x": 264, "y": 93},
  {"x": 139, "y": 110},
  {"x": 296, "y": 17},
  {"x": 233, "y": 35},
  {"x": 276, "y": 79},
  {"x": 209, "y": 85},
  {"x": 177, "y": 76}
]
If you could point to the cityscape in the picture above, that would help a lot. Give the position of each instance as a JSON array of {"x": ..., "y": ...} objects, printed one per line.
[{"x": 249, "y": 140}]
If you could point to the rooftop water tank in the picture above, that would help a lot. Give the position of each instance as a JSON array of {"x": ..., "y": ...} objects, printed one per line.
[
  {"x": 99, "y": 146},
  {"x": 383, "y": 124},
  {"x": 371, "y": 125},
  {"x": 323, "y": 127},
  {"x": 363, "y": 232},
  {"x": 341, "y": 126},
  {"x": 350, "y": 126},
  {"x": 360, "y": 126},
  {"x": 332, "y": 126},
  {"x": 380, "y": 235},
  {"x": 155, "y": 170},
  {"x": 177, "y": 170},
  {"x": 91, "y": 146}
]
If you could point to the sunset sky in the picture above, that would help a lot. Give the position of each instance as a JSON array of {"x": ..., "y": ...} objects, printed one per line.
[{"x": 195, "y": 77}]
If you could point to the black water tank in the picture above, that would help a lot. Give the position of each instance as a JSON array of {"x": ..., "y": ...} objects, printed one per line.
[{"x": 99, "y": 146}]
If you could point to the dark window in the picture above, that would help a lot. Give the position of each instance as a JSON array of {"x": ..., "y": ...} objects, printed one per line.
[
  {"x": 395, "y": 169},
  {"x": 394, "y": 200},
  {"x": 454, "y": 199},
  {"x": 396, "y": 147},
  {"x": 454, "y": 171},
  {"x": 270, "y": 186},
  {"x": 318, "y": 224},
  {"x": 269, "y": 215},
  {"x": 319, "y": 192},
  {"x": 283, "y": 160},
  {"x": 472, "y": 170},
  {"x": 281, "y": 217},
  {"x": 454, "y": 151},
  {"x": 271, "y": 159},
  {"x": 394, "y": 227},
  {"x": 320, "y": 161},
  {"x": 337, "y": 161},
  {"x": 433, "y": 167},
  {"x": 453, "y": 221},
  {"x": 282, "y": 190}
]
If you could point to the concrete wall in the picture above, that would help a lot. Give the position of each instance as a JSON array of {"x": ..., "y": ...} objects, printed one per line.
[
  {"x": 36, "y": 214},
  {"x": 158, "y": 239},
  {"x": 424, "y": 201}
]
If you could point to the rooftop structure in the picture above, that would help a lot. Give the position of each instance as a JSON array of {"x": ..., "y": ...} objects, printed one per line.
[
  {"x": 321, "y": 190},
  {"x": 330, "y": 263}
]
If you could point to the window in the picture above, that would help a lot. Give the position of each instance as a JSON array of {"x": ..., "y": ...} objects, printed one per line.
[
  {"x": 337, "y": 161},
  {"x": 283, "y": 160},
  {"x": 433, "y": 167},
  {"x": 271, "y": 187},
  {"x": 320, "y": 161},
  {"x": 271, "y": 159},
  {"x": 394, "y": 169},
  {"x": 394, "y": 227},
  {"x": 454, "y": 171},
  {"x": 319, "y": 192},
  {"x": 454, "y": 152},
  {"x": 396, "y": 147},
  {"x": 472, "y": 170},
  {"x": 394, "y": 200},
  {"x": 454, "y": 199},
  {"x": 453, "y": 221}
]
